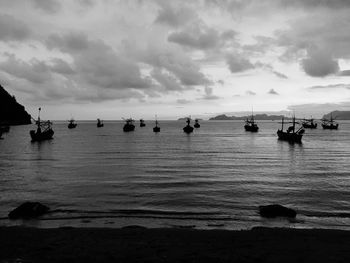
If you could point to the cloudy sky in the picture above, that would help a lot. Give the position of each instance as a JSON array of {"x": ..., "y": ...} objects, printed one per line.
[{"x": 113, "y": 59}]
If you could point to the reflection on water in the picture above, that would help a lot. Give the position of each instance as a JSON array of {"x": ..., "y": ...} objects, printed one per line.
[{"x": 161, "y": 179}]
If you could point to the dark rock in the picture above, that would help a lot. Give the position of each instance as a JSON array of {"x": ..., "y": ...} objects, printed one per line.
[
  {"x": 271, "y": 211},
  {"x": 29, "y": 210},
  {"x": 11, "y": 112}
]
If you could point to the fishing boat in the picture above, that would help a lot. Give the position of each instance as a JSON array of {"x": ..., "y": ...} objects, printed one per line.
[
  {"x": 330, "y": 124},
  {"x": 309, "y": 123},
  {"x": 196, "y": 124},
  {"x": 99, "y": 123},
  {"x": 72, "y": 124},
  {"x": 129, "y": 125},
  {"x": 188, "y": 128},
  {"x": 43, "y": 131},
  {"x": 291, "y": 134},
  {"x": 250, "y": 124},
  {"x": 142, "y": 123},
  {"x": 156, "y": 128}
]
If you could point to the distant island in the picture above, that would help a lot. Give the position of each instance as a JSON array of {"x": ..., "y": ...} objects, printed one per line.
[
  {"x": 185, "y": 118},
  {"x": 339, "y": 115},
  {"x": 224, "y": 117},
  {"x": 11, "y": 112}
]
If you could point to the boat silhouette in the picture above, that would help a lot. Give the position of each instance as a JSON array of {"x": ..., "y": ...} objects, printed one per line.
[
  {"x": 142, "y": 123},
  {"x": 156, "y": 128},
  {"x": 188, "y": 128},
  {"x": 309, "y": 123},
  {"x": 196, "y": 124},
  {"x": 44, "y": 130},
  {"x": 330, "y": 124},
  {"x": 99, "y": 123},
  {"x": 72, "y": 124},
  {"x": 250, "y": 124},
  {"x": 129, "y": 125},
  {"x": 291, "y": 134}
]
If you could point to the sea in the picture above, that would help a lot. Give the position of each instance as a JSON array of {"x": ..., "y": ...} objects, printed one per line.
[{"x": 215, "y": 178}]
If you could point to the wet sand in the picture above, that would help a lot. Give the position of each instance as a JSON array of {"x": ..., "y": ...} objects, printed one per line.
[{"x": 136, "y": 244}]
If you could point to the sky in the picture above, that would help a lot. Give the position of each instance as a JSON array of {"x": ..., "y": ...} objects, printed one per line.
[{"x": 111, "y": 59}]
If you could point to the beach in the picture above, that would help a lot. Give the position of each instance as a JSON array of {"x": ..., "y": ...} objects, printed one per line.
[{"x": 138, "y": 244}]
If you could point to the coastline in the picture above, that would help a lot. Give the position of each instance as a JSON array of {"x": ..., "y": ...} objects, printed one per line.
[{"x": 138, "y": 244}]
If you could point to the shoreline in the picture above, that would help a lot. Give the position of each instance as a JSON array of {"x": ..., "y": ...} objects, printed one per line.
[{"x": 139, "y": 244}]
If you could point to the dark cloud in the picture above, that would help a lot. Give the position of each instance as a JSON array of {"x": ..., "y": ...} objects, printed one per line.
[
  {"x": 344, "y": 73},
  {"x": 174, "y": 17},
  {"x": 49, "y": 6},
  {"x": 209, "y": 94},
  {"x": 166, "y": 80},
  {"x": 183, "y": 101},
  {"x": 196, "y": 38},
  {"x": 185, "y": 70},
  {"x": 62, "y": 67},
  {"x": 330, "y": 87},
  {"x": 319, "y": 64},
  {"x": 34, "y": 71},
  {"x": 273, "y": 92},
  {"x": 250, "y": 93},
  {"x": 237, "y": 63},
  {"x": 98, "y": 64},
  {"x": 279, "y": 74},
  {"x": 12, "y": 29}
]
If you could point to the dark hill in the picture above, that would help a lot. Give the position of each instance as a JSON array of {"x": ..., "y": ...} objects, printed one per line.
[
  {"x": 257, "y": 117},
  {"x": 11, "y": 112},
  {"x": 339, "y": 115}
]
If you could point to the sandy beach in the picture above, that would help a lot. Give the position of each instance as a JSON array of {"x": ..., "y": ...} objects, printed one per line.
[{"x": 136, "y": 244}]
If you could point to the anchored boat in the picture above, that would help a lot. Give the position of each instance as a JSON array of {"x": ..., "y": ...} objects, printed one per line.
[
  {"x": 43, "y": 131},
  {"x": 309, "y": 123},
  {"x": 188, "y": 128},
  {"x": 196, "y": 124},
  {"x": 250, "y": 124},
  {"x": 99, "y": 123},
  {"x": 330, "y": 124},
  {"x": 129, "y": 125},
  {"x": 142, "y": 123},
  {"x": 291, "y": 134},
  {"x": 72, "y": 124}
]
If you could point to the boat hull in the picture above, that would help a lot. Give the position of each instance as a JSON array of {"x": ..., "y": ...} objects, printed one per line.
[
  {"x": 156, "y": 129},
  {"x": 251, "y": 128},
  {"x": 290, "y": 137},
  {"x": 72, "y": 126},
  {"x": 128, "y": 128},
  {"x": 330, "y": 127},
  {"x": 188, "y": 129},
  {"x": 42, "y": 136},
  {"x": 197, "y": 126}
]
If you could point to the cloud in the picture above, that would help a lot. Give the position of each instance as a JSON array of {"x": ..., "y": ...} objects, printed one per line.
[
  {"x": 273, "y": 92},
  {"x": 166, "y": 80},
  {"x": 174, "y": 17},
  {"x": 183, "y": 101},
  {"x": 209, "y": 94},
  {"x": 196, "y": 38},
  {"x": 330, "y": 87},
  {"x": 12, "y": 29},
  {"x": 319, "y": 64},
  {"x": 178, "y": 64},
  {"x": 34, "y": 71},
  {"x": 344, "y": 73},
  {"x": 98, "y": 64},
  {"x": 238, "y": 64},
  {"x": 49, "y": 6},
  {"x": 250, "y": 93},
  {"x": 279, "y": 74}
]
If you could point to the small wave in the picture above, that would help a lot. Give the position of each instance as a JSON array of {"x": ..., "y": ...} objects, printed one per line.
[{"x": 326, "y": 214}]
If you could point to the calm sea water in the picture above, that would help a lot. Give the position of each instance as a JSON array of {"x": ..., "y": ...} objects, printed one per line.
[{"x": 214, "y": 178}]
